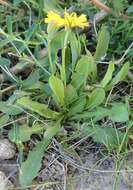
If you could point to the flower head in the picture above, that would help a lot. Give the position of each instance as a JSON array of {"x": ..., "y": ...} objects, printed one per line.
[
  {"x": 54, "y": 19},
  {"x": 68, "y": 21}
]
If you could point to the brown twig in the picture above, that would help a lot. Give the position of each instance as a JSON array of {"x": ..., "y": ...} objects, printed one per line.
[
  {"x": 101, "y": 5},
  {"x": 105, "y": 8},
  {"x": 7, "y": 89}
]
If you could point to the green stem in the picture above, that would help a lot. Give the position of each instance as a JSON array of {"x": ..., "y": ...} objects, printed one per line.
[
  {"x": 63, "y": 69},
  {"x": 50, "y": 59}
]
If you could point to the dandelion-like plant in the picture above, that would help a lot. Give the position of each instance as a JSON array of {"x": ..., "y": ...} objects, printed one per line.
[{"x": 68, "y": 20}]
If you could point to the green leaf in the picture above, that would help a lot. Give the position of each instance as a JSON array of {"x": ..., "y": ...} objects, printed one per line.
[
  {"x": 96, "y": 98},
  {"x": 98, "y": 114},
  {"x": 4, "y": 61},
  {"x": 102, "y": 45},
  {"x": 3, "y": 120},
  {"x": 120, "y": 76},
  {"x": 130, "y": 9},
  {"x": 9, "y": 108},
  {"x": 41, "y": 109},
  {"x": 31, "y": 31},
  {"x": 118, "y": 6},
  {"x": 32, "y": 165},
  {"x": 24, "y": 132},
  {"x": 119, "y": 112},
  {"x": 82, "y": 70},
  {"x": 52, "y": 130},
  {"x": 58, "y": 89},
  {"x": 30, "y": 168},
  {"x": 92, "y": 67},
  {"x": 75, "y": 48},
  {"x": 51, "y": 5},
  {"x": 31, "y": 80},
  {"x": 16, "y": 2},
  {"x": 78, "y": 106},
  {"x": 110, "y": 137},
  {"x": 108, "y": 75},
  {"x": 5, "y": 42},
  {"x": 9, "y": 24},
  {"x": 70, "y": 94}
]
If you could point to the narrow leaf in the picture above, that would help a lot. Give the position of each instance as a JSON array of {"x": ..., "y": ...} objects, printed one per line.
[
  {"x": 41, "y": 109},
  {"x": 3, "y": 120},
  {"x": 96, "y": 98},
  {"x": 9, "y": 24},
  {"x": 82, "y": 70},
  {"x": 32, "y": 165},
  {"x": 120, "y": 76},
  {"x": 58, "y": 89},
  {"x": 70, "y": 94},
  {"x": 102, "y": 45},
  {"x": 78, "y": 106},
  {"x": 108, "y": 75},
  {"x": 23, "y": 133},
  {"x": 31, "y": 80},
  {"x": 9, "y": 108}
]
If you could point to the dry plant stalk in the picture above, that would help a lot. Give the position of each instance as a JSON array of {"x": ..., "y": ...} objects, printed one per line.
[
  {"x": 105, "y": 8},
  {"x": 101, "y": 5}
]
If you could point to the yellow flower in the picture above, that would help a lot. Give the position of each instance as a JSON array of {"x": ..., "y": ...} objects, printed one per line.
[
  {"x": 72, "y": 20},
  {"x": 54, "y": 19},
  {"x": 68, "y": 21}
]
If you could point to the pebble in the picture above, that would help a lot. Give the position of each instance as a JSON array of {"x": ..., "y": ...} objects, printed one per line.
[{"x": 7, "y": 149}]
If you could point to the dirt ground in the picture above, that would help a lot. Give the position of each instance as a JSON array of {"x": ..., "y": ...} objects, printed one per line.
[{"x": 60, "y": 171}]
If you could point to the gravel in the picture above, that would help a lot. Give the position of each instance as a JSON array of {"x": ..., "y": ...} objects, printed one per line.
[{"x": 7, "y": 149}]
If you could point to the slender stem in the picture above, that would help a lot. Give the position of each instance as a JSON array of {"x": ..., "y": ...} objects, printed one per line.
[
  {"x": 63, "y": 73},
  {"x": 50, "y": 59}
]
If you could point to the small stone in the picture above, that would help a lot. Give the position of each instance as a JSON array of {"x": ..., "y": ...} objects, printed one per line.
[
  {"x": 7, "y": 149},
  {"x": 4, "y": 182}
]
